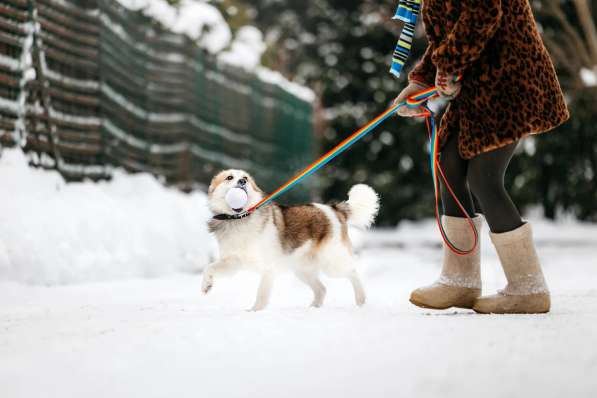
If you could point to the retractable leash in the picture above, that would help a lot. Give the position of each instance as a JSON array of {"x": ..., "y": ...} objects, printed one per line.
[{"x": 416, "y": 101}]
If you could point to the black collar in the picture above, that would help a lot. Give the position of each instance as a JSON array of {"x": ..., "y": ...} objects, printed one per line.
[{"x": 226, "y": 217}]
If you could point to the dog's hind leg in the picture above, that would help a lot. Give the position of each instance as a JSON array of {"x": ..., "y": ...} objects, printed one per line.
[
  {"x": 224, "y": 266},
  {"x": 263, "y": 292},
  {"x": 359, "y": 292},
  {"x": 312, "y": 280}
]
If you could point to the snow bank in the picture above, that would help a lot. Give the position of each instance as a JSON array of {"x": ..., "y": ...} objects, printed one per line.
[{"x": 56, "y": 233}]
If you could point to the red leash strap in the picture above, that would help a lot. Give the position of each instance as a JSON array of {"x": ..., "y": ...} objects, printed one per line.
[{"x": 436, "y": 172}]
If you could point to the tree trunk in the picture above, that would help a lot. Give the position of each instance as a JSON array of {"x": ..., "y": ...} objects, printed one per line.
[{"x": 588, "y": 26}]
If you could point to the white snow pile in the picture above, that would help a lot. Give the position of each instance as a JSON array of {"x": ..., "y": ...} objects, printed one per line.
[
  {"x": 57, "y": 233},
  {"x": 246, "y": 49},
  {"x": 204, "y": 23},
  {"x": 194, "y": 18}
]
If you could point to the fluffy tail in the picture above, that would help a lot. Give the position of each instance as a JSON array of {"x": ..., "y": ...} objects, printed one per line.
[{"x": 363, "y": 205}]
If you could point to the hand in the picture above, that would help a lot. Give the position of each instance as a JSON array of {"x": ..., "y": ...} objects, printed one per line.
[
  {"x": 409, "y": 90},
  {"x": 446, "y": 85}
]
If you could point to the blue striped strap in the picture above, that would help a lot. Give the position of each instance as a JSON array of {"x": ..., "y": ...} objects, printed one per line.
[{"x": 408, "y": 11}]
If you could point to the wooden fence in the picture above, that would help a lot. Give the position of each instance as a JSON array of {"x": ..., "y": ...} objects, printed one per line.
[{"x": 86, "y": 86}]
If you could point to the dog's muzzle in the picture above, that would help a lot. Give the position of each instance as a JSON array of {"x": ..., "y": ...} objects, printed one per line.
[{"x": 241, "y": 184}]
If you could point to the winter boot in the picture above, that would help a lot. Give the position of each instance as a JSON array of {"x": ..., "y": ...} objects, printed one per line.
[
  {"x": 459, "y": 284},
  {"x": 526, "y": 292}
]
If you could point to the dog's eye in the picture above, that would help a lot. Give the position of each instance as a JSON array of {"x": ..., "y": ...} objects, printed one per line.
[{"x": 229, "y": 178}]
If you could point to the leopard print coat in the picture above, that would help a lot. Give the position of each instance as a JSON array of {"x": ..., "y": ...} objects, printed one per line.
[{"x": 509, "y": 85}]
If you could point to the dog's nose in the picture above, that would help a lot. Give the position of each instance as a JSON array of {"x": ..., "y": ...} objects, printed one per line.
[{"x": 242, "y": 182}]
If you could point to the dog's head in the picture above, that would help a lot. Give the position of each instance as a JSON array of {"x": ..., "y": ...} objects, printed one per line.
[{"x": 226, "y": 180}]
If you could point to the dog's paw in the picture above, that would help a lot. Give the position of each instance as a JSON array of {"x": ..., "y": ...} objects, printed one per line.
[
  {"x": 361, "y": 301},
  {"x": 208, "y": 283},
  {"x": 256, "y": 308},
  {"x": 316, "y": 304}
]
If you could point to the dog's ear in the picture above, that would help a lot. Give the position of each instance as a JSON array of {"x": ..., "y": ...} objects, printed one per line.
[
  {"x": 254, "y": 185},
  {"x": 217, "y": 180}
]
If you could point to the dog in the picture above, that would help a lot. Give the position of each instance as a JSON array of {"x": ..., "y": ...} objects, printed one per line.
[{"x": 307, "y": 239}]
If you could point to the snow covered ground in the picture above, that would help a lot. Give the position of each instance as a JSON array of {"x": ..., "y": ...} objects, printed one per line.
[{"x": 114, "y": 332}]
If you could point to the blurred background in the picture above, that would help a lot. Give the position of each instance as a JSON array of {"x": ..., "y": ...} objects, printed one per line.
[
  {"x": 183, "y": 88},
  {"x": 340, "y": 49}
]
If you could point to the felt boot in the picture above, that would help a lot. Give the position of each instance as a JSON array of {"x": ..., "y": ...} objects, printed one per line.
[
  {"x": 526, "y": 292},
  {"x": 459, "y": 284}
]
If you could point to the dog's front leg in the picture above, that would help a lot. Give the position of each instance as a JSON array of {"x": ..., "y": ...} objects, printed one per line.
[
  {"x": 264, "y": 292},
  {"x": 224, "y": 266}
]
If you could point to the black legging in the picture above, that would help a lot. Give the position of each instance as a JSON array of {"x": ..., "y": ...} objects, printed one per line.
[{"x": 482, "y": 175}]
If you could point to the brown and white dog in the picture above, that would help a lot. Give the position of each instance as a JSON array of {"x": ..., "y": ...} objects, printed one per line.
[{"x": 307, "y": 239}]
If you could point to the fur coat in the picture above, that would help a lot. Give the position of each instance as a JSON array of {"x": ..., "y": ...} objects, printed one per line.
[{"x": 509, "y": 85}]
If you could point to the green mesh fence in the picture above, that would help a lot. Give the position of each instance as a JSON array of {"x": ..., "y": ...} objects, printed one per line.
[{"x": 86, "y": 86}]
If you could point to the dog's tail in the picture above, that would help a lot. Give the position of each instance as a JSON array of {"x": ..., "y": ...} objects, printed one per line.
[{"x": 363, "y": 205}]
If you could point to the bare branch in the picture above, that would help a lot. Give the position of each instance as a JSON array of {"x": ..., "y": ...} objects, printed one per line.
[
  {"x": 553, "y": 9},
  {"x": 588, "y": 26}
]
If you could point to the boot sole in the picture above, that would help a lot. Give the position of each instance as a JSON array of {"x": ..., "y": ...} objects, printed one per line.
[
  {"x": 536, "y": 304},
  {"x": 511, "y": 312},
  {"x": 429, "y": 307}
]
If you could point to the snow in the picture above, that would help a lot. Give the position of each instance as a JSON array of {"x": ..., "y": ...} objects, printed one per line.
[
  {"x": 118, "y": 333},
  {"x": 194, "y": 18},
  {"x": 588, "y": 77},
  {"x": 57, "y": 233},
  {"x": 179, "y": 147},
  {"x": 9, "y": 105},
  {"x": 10, "y": 63},
  {"x": 205, "y": 24},
  {"x": 246, "y": 49},
  {"x": 276, "y": 78}
]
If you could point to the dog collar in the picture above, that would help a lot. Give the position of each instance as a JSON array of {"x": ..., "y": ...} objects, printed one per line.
[{"x": 226, "y": 217}]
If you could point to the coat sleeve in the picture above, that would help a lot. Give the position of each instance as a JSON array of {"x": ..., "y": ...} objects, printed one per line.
[
  {"x": 424, "y": 71},
  {"x": 477, "y": 23}
]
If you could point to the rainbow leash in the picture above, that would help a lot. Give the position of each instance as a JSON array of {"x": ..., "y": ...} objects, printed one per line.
[
  {"x": 416, "y": 101},
  {"x": 328, "y": 157}
]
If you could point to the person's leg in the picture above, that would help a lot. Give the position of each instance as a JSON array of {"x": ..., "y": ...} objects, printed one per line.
[
  {"x": 486, "y": 180},
  {"x": 455, "y": 170},
  {"x": 459, "y": 284},
  {"x": 526, "y": 291}
]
